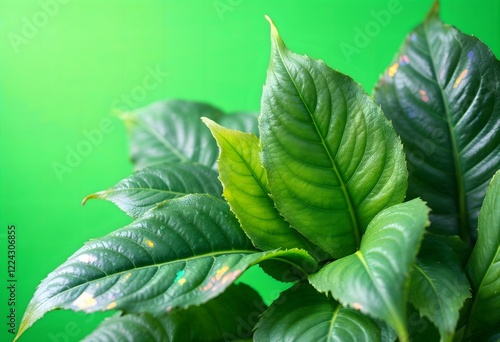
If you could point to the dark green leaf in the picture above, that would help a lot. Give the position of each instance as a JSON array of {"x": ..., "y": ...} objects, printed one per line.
[
  {"x": 491, "y": 334},
  {"x": 228, "y": 317},
  {"x": 244, "y": 122},
  {"x": 441, "y": 93},
  {"x": 303, "y": 314},
  {"x": 184, "y": 252},
  {"x": 332, "y": 159},
  {"x": 246, "y": 190},
  {"x": 146, "y": 188},
  {"x": 484, "y": 265},
  {"x": 171, "y": 132},
  {"x": 438, "y": 286},
  {"x": 419, "y": 327},
  {"x": 374, "y": 280}
]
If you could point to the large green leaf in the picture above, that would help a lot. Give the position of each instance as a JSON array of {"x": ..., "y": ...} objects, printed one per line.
[
  {"x": 441, "y": 93},
  {"x": 303, "y": 314},
  {"x": 228, "y": 317},
  {"x": 484, "y": 264},
  {"x": 184, "y": 252},
  {"x": 147, "y": 187},
  {"x": 333, "y": 160},
  {"x": 374, "y": 280},
  {"x": 438, "y": 285},
  {"x": 171, "y": 131},
  {"x": 246, "y": 190}
]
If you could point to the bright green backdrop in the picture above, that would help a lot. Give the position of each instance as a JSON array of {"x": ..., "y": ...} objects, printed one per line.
[{"x": 64, "y": 66}]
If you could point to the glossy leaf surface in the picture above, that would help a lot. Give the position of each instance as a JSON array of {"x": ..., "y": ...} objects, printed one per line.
[
  {"x": 171, "y": 132},
  {"x": 441, "y": 93},
  {"x": 374, "y": 280},
  {"x": 438, "y": 286},
  {"x": 182, "y": 253},
  {"x": 230, "y": 316},
  {"x": 332, "y": 159},
  {"x": 147, "y": 187},
  {"x": 484, "y": 264},
  {"x": 303, "y": 314},
  {"x": 247, "y": 192}
]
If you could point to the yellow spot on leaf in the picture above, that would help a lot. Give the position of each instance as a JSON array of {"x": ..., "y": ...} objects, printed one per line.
[
  {"x": 423, "y": 95},
  {"x": 393, "y": 69},
  {"x": 219, "y": 273},
  {"x": 181, "y": 281},
  {"x": 111, "y": 305},
  {"x": 460, "y": 78},
  {"x": 357, "y": 306},
  {"x": 85, "y": 301},
  {"x": 126, "y": 276},
  {"x": 150, "y": 243}
]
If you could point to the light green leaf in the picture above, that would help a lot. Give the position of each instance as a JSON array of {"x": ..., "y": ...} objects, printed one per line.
[
  {"x": 484, "y": 264},
  {"x": 374, "y": 280},
  {"x": 228, "y": 317},
  {"x": 303, "y": 314},
  {"x": 438, "y": 285},
  {"x": 332, "y": 159},
  {"x": 170, "y": 132},
  {"x": 147, "y": 187},
  {"x": 246, "y": 190},
  {"x": 244, "y": 122},
  {"x": 441, "y": 93},
  {"x": 182, "y": 253}
]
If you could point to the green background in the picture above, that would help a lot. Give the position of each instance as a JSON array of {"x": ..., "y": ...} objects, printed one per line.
[{"x": 65, "y": 65}]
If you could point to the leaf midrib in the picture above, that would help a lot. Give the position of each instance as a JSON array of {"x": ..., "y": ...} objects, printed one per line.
[
  {"x": 387, "y": 302},
  {"x": 462, "y": 215},
  {"x": 133, "y": 269},
  {"x": 434, "y": 290},
  {"x": 347, "y": 196},
  {"x": 163, "y": 141},
  {"x": 480, "y": 287}
]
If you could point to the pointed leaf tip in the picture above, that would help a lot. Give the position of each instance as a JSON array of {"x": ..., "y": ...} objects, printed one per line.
[
  {"x": 434, "y": 10},
  {"x": 275, "y": 36}
]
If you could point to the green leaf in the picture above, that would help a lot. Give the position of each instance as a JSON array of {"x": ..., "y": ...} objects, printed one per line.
[
  {"x": 374, "y": 280},
  {"x": 441, "y": 93},
  {"x": 182, "y": 253},
  {"x": 228, "y": 317},
  {"x": 170, "y": 132},
  {"x": 245, "y": 122},
  {"x": 491, "y": 334},
  {"x": 303, "y": 314},
  {"x": 419, "y": 327},
  {"x": 484, "y": 264},
  {"x": 438, "y": 285},
  {"x": 332, "y": 159},
  {"x": 246, "y": 190},
  {"x": 146, "y": 188}
]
